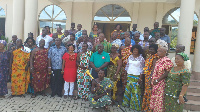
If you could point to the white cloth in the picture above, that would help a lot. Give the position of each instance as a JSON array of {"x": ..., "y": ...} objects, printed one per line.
[
  {"x": 47, "y": 39},
  {"x": 142, "y": 37},
  {"x": 66, "y": 39},
  {"x": 69, "y": 86}
]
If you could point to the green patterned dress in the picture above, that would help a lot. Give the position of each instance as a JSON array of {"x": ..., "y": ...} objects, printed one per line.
[
  {"x": 174, "y": 83},
  {"x": 83, "y": 80},
  {"x": 104, "y": 100}
]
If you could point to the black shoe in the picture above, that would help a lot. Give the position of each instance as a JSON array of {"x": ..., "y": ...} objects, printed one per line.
[{"x": 52, "y": 95}]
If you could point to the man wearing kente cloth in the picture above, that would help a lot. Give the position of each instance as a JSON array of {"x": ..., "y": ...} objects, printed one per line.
[{"x": 98, "y": 97}]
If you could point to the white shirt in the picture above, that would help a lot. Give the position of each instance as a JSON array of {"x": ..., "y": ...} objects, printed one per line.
[
  {"x": 142, "y": 37},
  {"x": 47, "y": 39}
]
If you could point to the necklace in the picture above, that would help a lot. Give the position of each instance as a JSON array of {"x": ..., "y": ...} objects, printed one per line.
[{"x": 72, "y": 57}]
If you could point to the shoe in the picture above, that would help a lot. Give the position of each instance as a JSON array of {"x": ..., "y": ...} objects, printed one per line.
[{"x": 65, "y": 96}]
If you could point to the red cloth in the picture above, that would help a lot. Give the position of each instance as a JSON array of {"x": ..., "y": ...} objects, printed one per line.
[
  {"x": 41, "y": 78},
  {"x": 70, "y": 70}
]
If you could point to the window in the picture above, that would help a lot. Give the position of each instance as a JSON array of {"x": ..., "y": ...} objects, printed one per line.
[
  {"x": 52, "y": 16},
  {"x": 112, "y": 13},
  {"x": 2, "y": 13}
]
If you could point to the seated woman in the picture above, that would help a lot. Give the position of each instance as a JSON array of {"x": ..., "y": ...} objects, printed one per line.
[
  {"x": 98, "y": 97},
  {"x": 176, "y": 84},
  {"x": 114, "y": 68}
]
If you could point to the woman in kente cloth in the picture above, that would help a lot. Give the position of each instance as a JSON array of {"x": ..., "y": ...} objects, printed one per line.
[
  {"x": 98, "y": 97},
  {"x": 4, "y": 68},
  {"x": 177, "y": 83},
  {"x": 162, "y": 67},
  {"x": 132, "y": 96},
  {"x": 125, "y": 52},
  {"x": 114, "y": 68},
  {"x": 148, "y": 71}
]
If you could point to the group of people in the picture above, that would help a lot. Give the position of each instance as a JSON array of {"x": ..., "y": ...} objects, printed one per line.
[{"x": 136, "y": 62}]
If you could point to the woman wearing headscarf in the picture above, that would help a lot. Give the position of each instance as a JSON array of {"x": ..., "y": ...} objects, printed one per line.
[
  {"x": 162, "y": 67},
  {"x": 4, "y": 68},
  {"x": 114, "y": 68},
  {"x": 176, "y": 84}
]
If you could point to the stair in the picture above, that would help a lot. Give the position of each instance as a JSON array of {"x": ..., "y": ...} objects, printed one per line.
[{"x": 193, "y": 94}]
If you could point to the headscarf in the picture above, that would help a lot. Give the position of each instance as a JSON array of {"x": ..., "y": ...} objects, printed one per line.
[
  {"x": 116, "y": 45},
  {"x": 3, "y": 42},
  {"x": 185, "y": 57},
  {"x": 162, "y": 44}
]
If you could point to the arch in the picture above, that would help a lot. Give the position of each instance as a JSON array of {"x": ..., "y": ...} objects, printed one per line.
[
  {"x": 112, "y": 13},
  {"x": 52, "y": 16},
  {"x": 2, "y": 21}
]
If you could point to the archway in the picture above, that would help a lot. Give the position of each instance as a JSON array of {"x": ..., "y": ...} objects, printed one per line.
[
  {"x": 52, "y": 16},
  {"x": 110, "y": 15},
  {"x": 170, "y": 22},
  {"x": 2, "y": 22}
]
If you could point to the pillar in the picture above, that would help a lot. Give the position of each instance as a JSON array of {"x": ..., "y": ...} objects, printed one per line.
[
  {"x": 135, "y": 14},
  {"x": 18, "y": 18},
  {"x": 186, "y": 24},
  {"x": 30, "y": 23},
  {"x": 159, "y": 13},
  {"x": 196, "y": 60}
]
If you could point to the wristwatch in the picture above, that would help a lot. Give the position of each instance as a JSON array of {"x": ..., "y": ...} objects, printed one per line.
[{"x": 156, "y": 81}]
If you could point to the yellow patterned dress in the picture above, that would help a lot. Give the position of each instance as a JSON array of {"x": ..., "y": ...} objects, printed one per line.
[
  {"x": 19, "y": 77},
  {"x": 111, "y": 72}
]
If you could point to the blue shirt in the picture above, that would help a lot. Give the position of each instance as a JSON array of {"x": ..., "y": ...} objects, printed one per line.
[
  {"x": 56, "y": 55},
  {"x": 166, "y": 39},
  {"x": 100, "y": 59},
  {"x": 132, "y": 42}
]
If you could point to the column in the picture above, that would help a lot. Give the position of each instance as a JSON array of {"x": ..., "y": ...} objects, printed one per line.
[
  {"x": 159, "y": 14},
  {"x": 18, "y": 18},
  {"x": 30, "y": 23},
  {"x": 186, "y": 24},
  {"x": 196, "y": 60},
  {"x": 135, "y": 14}
]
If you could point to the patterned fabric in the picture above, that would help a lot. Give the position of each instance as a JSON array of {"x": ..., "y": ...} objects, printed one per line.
[
  {"x": 11, "y": 46},
  {"x": 46, "y": 38},
  {"x": 111, "y": 72},
  {"x": 90, "y": 46},
  {"x": 41, "y": 78},
  {"x": 118, "y": 42},
  {"x": 78, "y": 34},
  {"x": 4, "y": 70},
  {"x": 154, "y": 32},
  {"x": 93, "y": 35},
  {"x": 174, "y": 83},
  {"x": 107, "y": 46},
  {"x": 157, "y": 96},
  {"x": 143, "y": 44},
  {"x": 60, "y": 36},
  {"x": 56, "y": 55},
  {"x": 125, "y": 53},
  {"x": 147, "y": 92},
  {"x": 118, "y": 33},
  {"x": 66, "y": 39},
  {"x": 104, "y": 100},
  {"x": 132, "y": 95},
  {"x": 19, "y": 77},
  {"x": 83, "y": 80}
]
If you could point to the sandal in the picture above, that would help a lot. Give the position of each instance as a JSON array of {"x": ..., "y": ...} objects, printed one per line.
[
  {"x": 65, "y": 96},
  {"x": 75, "y": 97}
]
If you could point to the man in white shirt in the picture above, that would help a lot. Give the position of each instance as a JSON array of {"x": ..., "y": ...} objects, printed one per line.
[
  {"x": 146, "y": 29},
  {"x": 45, "y": 37}
]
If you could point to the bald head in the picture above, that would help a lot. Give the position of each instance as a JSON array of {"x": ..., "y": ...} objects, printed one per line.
[
  {"x": 14, "y": 38},
  {"x": 19, "y": 43}
]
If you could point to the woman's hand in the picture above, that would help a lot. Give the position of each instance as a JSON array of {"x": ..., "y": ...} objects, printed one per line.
[
  {"x": 155, "y": 82},
  {"x": 181, "y": 100}
]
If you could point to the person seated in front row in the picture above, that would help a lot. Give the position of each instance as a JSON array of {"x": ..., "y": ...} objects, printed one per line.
[{"x": 98, "y": 97}]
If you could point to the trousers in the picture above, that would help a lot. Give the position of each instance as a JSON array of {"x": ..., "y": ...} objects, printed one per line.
[{"x": 69, "y": 86}]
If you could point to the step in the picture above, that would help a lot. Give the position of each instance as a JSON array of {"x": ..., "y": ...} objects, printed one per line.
[
  {"x": 194, "y": 89},
  {"x": 193, "y": 96},
  {"x": 195, "y": 82},
  {"x": 195, "y": 76},
  {"x": 192, "y": 105}
]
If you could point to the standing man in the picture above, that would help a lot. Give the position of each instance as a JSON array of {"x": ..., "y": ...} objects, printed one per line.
[
  {"x": 79, "y": 32},
  {"x": 99, "y": 60},
  {"x": 146, "y": 29},
  {"x": 72, "y": 30},
  {"x": 132, "y": 33},
  {"x": 38, "y": 66},
  {"x": 55, "y": 55},
  {"x": 45, "y": 37},
  {"x": 165, "y": 37},
  {"x": 20, "y": 76},
  {"x": 145, "y": 43},
  {"x": 12, "y": 45},
  {"x": 155, "y": 30}
]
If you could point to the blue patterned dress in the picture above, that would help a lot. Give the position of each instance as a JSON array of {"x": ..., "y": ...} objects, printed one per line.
[{"x": 4, "y": 70}]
